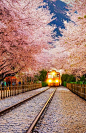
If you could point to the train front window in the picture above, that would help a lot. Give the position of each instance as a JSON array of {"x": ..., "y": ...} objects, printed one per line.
[
  {"x": 50, "y": 76},
  {"x": 53, "y": 76},
  {"x": 56, "y": 75}
]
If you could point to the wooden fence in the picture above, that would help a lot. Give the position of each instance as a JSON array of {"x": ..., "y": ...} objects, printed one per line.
[
  {"x": 17, "y": 89},
  {"x": 79, "y": 89}
]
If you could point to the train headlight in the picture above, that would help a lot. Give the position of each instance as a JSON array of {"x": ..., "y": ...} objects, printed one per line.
[
  {"x": 57, "y": 81},
  {"x": 49, "y": 80}
]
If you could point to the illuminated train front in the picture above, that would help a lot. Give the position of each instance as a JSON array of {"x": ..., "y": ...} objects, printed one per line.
[{"x": 53, "y": 78}]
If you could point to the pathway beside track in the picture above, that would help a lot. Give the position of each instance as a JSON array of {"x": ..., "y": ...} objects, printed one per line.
[{"x": 66, "y": 114}]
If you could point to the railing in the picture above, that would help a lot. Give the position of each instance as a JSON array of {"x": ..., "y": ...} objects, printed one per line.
[
  {"x": 17, "y": 89},
  {"x": 79, "y": 89}
]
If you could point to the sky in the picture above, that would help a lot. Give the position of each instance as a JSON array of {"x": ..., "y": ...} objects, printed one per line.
[{"x": 59, "y": 8}]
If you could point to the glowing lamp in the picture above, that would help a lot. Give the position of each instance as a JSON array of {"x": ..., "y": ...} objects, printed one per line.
[
  {"x": 53, "y": 73},
  {"x": 57, "y": 81},
  {"x": 49, "y": 80}
]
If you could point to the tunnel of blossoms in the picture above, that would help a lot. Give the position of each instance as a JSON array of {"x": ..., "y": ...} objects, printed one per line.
[{"x": 26, "y": 37}]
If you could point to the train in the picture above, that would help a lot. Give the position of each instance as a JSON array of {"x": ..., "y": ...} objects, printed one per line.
[
  {"x": 11, "y": 80},
  {"x": 53, "y": 78}
]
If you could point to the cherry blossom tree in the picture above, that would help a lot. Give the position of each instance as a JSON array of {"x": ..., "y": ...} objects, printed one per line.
[
  {"x": 74, "y": 38},
  {"x": 25, "y": 36},
  {"x": 24, "y": 32},
  {"x": 70, "y": 51}
]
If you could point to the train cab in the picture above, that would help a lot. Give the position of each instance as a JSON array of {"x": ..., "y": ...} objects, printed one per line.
[{"x": 53, "y": 78}]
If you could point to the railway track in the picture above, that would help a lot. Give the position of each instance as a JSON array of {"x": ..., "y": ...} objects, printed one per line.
[
  {"x": 4, "y": 111},
  {"x": 33, "y": 124},
  {"x": 20, "y": 119},
  {"x": 38, "y": 116}
]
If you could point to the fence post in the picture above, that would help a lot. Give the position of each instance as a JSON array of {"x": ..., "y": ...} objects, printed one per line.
[
  {"x": 82, "y": 91},
  {"x": 22, "y": 87},
  {"x": 6, "y": 91},
  {"x": 76, "y": 88},
  {"x": 15, "y": 89},
  {"x": 10, "y": 90},
  {"x": 1, "y": 92},
  {"x": 85, "y": 92}
]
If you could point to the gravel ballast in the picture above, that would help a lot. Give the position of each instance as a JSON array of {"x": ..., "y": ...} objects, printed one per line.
[
  {"x": 7, "y": 102},
  {"x": 66, "y": 114},
  {"x": 19, "y": 119}
]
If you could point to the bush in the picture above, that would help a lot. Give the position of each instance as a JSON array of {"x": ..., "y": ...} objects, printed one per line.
[
  {"x": 73, "y": 82},
  {"x": 67, "y": 79},
  {"x": 85, "y": 16},
  {"x": 82, "y": 80},
  {"x": 80, "y": 18},
  {"x": 42, "y": 75},
  {"x": 44, "y": 84},
  {"x": 64, "y": 83}
]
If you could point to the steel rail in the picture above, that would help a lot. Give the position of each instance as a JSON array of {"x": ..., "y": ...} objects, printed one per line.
[
  {"x": 30, "y": 130},
  {"x": 4, "y": 111}
]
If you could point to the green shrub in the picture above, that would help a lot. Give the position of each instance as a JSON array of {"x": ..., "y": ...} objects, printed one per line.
[
  {"x": 82, "y": 80},
  {"x": 42, "y": 75},
  {"x": 67, "y": 78},
  {"x": 64, "y": 83},
  {"x": 44, "y": 84},
  {"x": 85, "y": 16},
  {"x": 80, "y": 18}
]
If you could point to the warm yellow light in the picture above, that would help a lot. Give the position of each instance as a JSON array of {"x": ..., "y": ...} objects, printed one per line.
[
  {"x": 53, "y": 73},
  {"x": 56, "y": 81},
  {"x": 49, "y": 80}
]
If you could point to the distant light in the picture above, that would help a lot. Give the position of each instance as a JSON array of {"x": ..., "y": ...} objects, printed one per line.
[
  {"x": 53, "y": 73},
  {"x": 49, "y": 80},
  {"x": 56, "y": 81}
]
